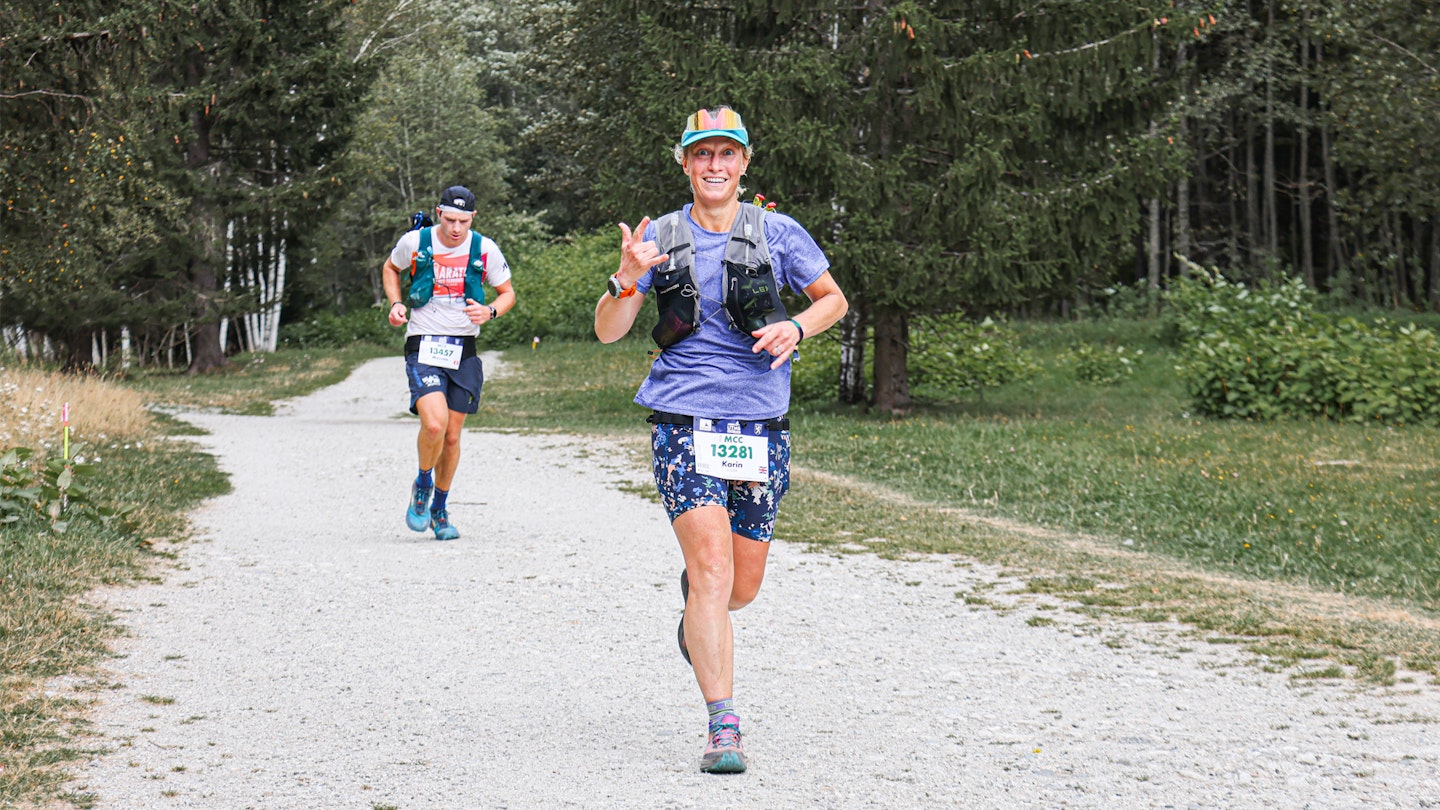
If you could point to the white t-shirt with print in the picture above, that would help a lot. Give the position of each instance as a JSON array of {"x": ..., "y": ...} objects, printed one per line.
[{"x": 444, "y": 313}]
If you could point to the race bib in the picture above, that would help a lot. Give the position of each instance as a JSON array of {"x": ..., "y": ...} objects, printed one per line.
[
  {"x": 441, "y": 351},
  {"x": 732, "y": 450}
]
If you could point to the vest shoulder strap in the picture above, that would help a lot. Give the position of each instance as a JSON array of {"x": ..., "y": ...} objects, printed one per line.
[
  {"x": 748, "y": 246},
  {"x": 672, "y": 236},
  {"x": 424, "y": 249}
]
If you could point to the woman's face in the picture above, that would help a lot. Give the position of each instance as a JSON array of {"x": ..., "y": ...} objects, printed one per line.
[{"x": 715, "y": 166}]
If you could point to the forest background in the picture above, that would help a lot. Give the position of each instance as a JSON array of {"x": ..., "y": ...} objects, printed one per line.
[{"x": 182, "y": 181}]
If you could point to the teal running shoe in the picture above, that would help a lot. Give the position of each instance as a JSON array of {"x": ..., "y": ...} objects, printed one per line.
[
  {"x": 723, "y": 753},
  {"x": 417, "y": 515},
  {"x": 440, "y": 522}
]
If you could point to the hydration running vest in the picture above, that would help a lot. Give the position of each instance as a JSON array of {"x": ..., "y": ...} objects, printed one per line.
[
  {"x": 422, "y": 271},
  {"x": 752, "y": 296}
]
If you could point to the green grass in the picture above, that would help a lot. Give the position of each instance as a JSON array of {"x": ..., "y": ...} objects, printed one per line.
[
  {"x": 252, "y": 382},
  {"x": 47, "y": 630},
  {"x": 1321, "y": 533}
]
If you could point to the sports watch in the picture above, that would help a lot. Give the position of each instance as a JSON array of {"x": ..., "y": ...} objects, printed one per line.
[{"x": 616, "y": 291}]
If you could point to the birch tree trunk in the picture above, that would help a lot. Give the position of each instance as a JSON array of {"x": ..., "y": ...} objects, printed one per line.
[{"x": 852, "y": 356}]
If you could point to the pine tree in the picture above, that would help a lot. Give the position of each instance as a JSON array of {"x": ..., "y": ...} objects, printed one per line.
[
  {"x": 257, "y": 100},
  {"x": 949, "y": 156}
]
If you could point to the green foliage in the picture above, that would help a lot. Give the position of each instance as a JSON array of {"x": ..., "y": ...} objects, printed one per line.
[
  {"x": 556, "y": 288},
  {"x": 325, "y": 329},
  {"x": 54, "y": 490},
  {"x": 816, "y": 372},
  {"x": 1099, "y": 364},
  {"x": 951, "y": 356},
  {"x": 1268, "y": 352}
]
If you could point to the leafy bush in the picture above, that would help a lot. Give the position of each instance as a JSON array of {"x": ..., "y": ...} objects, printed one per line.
[
  {"x": 1269, "y": 352},
  {"x": 325, "y": 329},
  {"x": 54, "y": 490},
  {"x": 556, "y": 289},
  {"x": 1100, "y": 365},
  {"x": 815, "y": 374},
  {"x": 950, "y": 355}
]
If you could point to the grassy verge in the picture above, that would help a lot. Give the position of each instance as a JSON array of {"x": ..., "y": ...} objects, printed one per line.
[
  {"x": 48, "y": 631},
  {"x": 1296, "y": 539},
  {"x": 252, "y": 382}
]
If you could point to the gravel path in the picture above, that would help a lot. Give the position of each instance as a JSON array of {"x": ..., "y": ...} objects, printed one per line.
[{"x": 308, "y": 651}]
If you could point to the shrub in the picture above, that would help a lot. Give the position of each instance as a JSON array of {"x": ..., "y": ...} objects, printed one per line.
[
  {"x": 556, "y": 289},
  {"x": 325, "y": 329},
  {"x": 1268, "y": 352},
  {"x": 54, "y": 489},
  {"x": 950, "y": 355},
  {"x": 1100, "y": 365},
  {"x": 815, "y": 374}
]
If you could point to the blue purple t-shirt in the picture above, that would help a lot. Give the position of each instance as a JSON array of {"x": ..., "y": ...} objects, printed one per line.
[{"x": 712, "y": 372}]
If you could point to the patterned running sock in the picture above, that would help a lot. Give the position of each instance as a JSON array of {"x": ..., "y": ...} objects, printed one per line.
[
  {"x": 720, "y": 709},
  {"x": 437, "y": 503},
  {"x": 424, "y": 480}
]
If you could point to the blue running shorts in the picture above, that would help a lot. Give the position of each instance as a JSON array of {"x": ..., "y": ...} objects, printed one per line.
[
  {"x": 752, "y": 505},
  {"x": 461, "y": 386}
]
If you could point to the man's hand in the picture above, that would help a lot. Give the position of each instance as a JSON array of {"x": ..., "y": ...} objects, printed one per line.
[
  {"x": 397, "y": 314},
  {"x": 477, "y": 312}
]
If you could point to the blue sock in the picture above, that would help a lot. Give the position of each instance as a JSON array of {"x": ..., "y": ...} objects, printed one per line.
[
  {"x": 719, "y": 710},
  {"x": 424, "y": 480},
  {"x": 437, "y": 503}
]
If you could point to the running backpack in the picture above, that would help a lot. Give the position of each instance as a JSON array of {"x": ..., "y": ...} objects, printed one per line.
[{"x": 752, "y": 296}]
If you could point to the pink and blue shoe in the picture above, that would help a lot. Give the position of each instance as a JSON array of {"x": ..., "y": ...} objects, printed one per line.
[{"x": 723, "y": 752}]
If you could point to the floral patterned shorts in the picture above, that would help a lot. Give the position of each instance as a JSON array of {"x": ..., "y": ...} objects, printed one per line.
[{"x": 752, "y": 505}]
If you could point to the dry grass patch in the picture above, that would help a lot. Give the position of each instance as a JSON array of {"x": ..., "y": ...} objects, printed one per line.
[{"x": 31, "y": 401}]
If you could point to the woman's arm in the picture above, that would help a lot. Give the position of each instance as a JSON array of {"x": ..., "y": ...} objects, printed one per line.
[{"x": 827, "y": 306}]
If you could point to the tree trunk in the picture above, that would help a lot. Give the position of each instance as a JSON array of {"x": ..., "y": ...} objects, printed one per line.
[
  {"x": 1335, "y": 257},
  {"x": 1433, "y": 294},
  {"x": 1252, "y": 198},
  {"x": 208, "y": 237},
  {"x": 892, "y": 383},
  {"x": 1182, "y": 188},
  {"x": 1152, "y": 249},
  {"x": 1272, "y": 218},
  {"x": 852, "y": 356},
  {"x": 1307, "y": 225}
]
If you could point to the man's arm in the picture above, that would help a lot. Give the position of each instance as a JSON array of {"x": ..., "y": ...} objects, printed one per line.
[{"x": 390, "y": 279}]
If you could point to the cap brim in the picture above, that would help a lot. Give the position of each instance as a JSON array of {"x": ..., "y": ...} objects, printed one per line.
[
  {"x": 452, "y": 209},
  {"x": 740, "y": 136}
]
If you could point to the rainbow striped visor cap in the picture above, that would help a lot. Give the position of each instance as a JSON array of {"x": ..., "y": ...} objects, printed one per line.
[{"x": 721, "y": 123}]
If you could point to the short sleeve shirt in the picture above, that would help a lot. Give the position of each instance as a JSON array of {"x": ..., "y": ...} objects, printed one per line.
[
  {"x": 444, "y": 313},
  {"x": 713, "y": 372}
]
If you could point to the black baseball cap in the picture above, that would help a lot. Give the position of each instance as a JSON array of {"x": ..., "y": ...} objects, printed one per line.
[{"x": 457, "y": 199}]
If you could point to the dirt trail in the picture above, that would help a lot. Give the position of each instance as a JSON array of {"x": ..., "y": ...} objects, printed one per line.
[{"x": 308, "y": 651}]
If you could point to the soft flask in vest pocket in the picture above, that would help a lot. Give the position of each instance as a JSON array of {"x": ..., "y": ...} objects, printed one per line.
[
  {"x": 752, "y": 297},
  {"x": 679, "y": 306}
]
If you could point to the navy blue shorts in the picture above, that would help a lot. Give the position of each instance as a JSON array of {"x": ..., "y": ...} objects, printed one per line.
[
  {"x": 752, "y": 505},
  {"x": 461, "y": 386}
]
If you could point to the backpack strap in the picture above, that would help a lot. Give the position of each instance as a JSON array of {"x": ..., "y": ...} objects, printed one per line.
[
  {"x": 748, "y": 246},
  {"x": 426, "y": 248},
  {"x": 672, "y": 236}
]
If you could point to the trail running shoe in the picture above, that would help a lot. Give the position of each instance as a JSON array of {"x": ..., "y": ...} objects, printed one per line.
[
  {"x": 685, "y": 595},
  {"x": 723, "y": 753},
  {"x": 440, "y": 522},
  {"x": 417, "y": 515}
]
